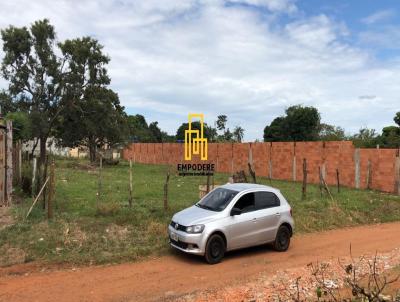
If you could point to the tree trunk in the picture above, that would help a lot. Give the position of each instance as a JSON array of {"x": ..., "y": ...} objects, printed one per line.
[
  {"x": 43, "y": 150},
  {"x": 92, "y": 152}
]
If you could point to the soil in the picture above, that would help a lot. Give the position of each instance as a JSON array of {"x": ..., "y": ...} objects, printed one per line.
[{"x": 174, "y": 276}]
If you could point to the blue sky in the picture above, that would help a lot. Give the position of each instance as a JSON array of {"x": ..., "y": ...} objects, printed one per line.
[{"x": 248, "y": 59}]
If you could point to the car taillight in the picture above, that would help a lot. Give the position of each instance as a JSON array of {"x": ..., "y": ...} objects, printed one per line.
[{"x": 291, "y": 213}]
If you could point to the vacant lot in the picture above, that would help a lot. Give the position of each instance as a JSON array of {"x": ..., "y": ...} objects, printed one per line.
[{"x": 86, "y": 230}]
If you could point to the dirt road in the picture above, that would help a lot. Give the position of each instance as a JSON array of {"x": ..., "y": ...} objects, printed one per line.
[{"x": 178, "y": 274}]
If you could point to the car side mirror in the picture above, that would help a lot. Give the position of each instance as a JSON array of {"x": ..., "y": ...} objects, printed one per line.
[{"x": 236, "y": 211}]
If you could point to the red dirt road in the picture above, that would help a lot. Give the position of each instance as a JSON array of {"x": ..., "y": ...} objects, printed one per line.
[{"x": 178, "y": 274}]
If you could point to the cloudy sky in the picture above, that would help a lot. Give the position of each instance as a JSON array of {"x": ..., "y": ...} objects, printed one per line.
[{"x": 248, "y": 59}]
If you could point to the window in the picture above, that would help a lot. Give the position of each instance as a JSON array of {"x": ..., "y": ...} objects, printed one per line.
[
  {"x": 265, "y": 200},
  {"x": 246, "y": 203},
  {"x": 217, "y": 200}
]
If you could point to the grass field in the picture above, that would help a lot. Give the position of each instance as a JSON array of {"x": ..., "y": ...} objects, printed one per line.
[{"x": 85, "y": 231}]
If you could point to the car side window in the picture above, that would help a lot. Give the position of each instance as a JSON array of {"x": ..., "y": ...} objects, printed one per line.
[
  {"x": 246, "y": 203},
  {"x": 265, "y": 200}
]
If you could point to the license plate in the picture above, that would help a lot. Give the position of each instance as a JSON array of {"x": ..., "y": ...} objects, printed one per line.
[{"x": 174, "y": 236}]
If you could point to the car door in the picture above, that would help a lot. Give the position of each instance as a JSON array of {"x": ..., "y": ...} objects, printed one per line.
[
  {"x": 267, "y": 206},
  {"x": 243, "y": 227}
]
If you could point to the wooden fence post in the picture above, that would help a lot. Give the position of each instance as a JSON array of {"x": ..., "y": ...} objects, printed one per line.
[
  {"x": 338, "y": 180},
  {"x": 304, "y": 187},
  {"x": 166, "y": 191},
  {"x": 130, "y": 183},
  {"x": 397, "y": 175},
  {"x": 369, "y": 175},
  {"x": 99, "y": 181},
  {"x": 357, "y": 168},
  {"x": 52, "y": 187},
  {"x": 34, "y": 172}
]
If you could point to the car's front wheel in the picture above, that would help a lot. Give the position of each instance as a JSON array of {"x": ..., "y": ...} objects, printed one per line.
[
  {"x": 215, "y": 249},
  {"x": 282, "y": 239}
]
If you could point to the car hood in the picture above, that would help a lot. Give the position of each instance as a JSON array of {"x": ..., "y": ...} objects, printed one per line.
[{"x": 195, "y": 215}]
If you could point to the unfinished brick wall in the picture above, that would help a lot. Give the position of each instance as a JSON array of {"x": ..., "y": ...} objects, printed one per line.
[{"x": 358, "y": 168}]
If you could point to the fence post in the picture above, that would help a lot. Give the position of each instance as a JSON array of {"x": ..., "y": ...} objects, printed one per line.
[
  {"x": 130, "y": 183},
  {"x": 99, "y": 183},
  {"x": 34, "y": 175},
  {"x": 397, "y": 175},
  {"x": 50, "y": 197},
  {"x": 304, "y": 187},
  {"x": 338, "y": 180},
  {"x": 357, "y": 168},
  {"x": 166, "y": 191},
  {"x": 369, "y": 174}
]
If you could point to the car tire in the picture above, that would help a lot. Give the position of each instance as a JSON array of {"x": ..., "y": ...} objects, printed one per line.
[
  {"x": 282, "y": 239},
  {"x": 215, "y": 249}
]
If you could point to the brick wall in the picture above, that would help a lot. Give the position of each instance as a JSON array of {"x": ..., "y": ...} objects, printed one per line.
[{"x": 358, "y": 168}]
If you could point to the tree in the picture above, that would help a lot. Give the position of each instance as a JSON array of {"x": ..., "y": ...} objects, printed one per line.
[
  {"x": 22, "y": 128},
  {"x": 156, "y": 132},
  {"x": 397, "y": 118},
  {"x": 139, "y": 131},
  {"x": 180, "y": 133},
  {"x": 367, "y": 138},
  {"x": 6, "y": 103},
  {"x": 275, "y": 131},
  {"x": 93, "y": 116},
  {"x": 238, "y": 134},
  {"x": 331, "y": 133},
  {"x": 390, "y": 137},
  {"x": 299, "y": 124},
  {"x": 99, "y": 120},
  {"x": 35, "y": 75}
]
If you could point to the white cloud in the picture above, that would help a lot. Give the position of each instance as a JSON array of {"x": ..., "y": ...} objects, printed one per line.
[
  {"x": 174, "y": 57},
  {"x": 378, "y": 16},
  {"x": 287, "y": 6}
]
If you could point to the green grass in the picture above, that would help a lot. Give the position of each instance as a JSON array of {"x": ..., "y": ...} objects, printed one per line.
[{"x": 86, "y": 231}]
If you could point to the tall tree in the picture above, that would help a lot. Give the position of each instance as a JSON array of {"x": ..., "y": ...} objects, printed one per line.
[
  {"x": 35, "y": 75},
  {"x": 180, "y": 133},
  {"x": 238, "y": 134},
  {"x": 99, "y": 120},
  {"x": 301, "y": 123},
  {"x": 331, "y": 133},
  {"x": 93, "y": 114}
]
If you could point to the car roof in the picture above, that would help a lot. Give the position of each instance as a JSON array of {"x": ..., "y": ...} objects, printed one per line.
[{"x": 247, "y": 186}]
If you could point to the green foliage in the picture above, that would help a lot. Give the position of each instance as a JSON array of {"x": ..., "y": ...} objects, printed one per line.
[
  {"x": 34, "y": 74},
  {"x": 391, "y": 137},
  {"x": 366, "y": 138},
  {"x": 301, "y": 123},
  {"x": 93, "y": 116},
  {"x": 6, "y": 103},
  {"x": 22, "y": 127},
  {"x": 331, "y": 133},
  {"x": 238, "y": 134},
  {"x": 180, "y": 133},
  {"x": 140, "y": 131}
]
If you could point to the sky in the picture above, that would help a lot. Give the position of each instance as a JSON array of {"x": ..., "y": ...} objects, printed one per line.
[{"x": 247, "y": 59}]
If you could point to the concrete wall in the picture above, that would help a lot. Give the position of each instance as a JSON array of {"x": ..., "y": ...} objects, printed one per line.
[{"x": 358, "y": 168}]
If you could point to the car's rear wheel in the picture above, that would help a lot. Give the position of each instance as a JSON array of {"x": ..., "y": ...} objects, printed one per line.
[
  {"x": 215, "y": 249},
  {"x": 282, "y": 239}
]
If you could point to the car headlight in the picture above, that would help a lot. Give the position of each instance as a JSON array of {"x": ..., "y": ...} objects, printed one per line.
[{"x": 195, "y": 229}]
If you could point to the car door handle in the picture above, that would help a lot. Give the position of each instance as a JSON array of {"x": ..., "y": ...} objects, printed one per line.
[
  {"x": 278, "y": 214},
  {"x": 254, "y": 219}
]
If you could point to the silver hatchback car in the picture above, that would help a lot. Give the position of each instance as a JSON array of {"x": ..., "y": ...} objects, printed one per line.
[{"x": 230, "y": 217}]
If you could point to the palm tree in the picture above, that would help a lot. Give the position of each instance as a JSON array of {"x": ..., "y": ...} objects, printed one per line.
[{"x": 238, "y": 134}]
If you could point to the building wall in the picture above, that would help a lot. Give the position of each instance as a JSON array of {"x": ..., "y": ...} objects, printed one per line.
[{"x": 358, "y": 168}]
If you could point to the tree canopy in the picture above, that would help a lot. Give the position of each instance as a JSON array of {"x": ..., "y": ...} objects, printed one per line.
[{"x": 299, "y": 124}]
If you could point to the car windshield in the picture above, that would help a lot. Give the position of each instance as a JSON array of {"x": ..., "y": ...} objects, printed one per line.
[{"x": 217, "y": 200}]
